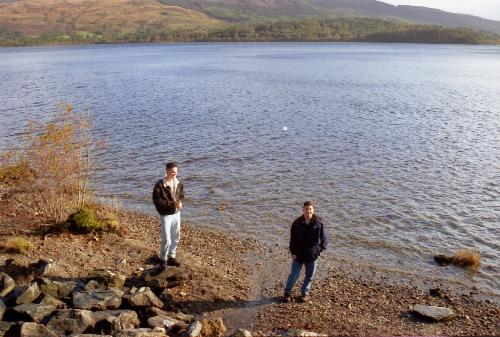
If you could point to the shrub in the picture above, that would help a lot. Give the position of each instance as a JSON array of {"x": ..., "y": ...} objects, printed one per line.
[
  {"x": 56, "y": 164},
  {"x": 85, "y": 220},
  {"x": 18, "y": 244}
]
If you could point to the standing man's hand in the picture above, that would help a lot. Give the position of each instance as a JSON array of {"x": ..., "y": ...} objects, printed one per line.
[{"x": 294, "y": 257}]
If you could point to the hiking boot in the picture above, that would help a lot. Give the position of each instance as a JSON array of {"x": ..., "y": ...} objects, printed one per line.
[
  {"x": 304, "y": 298},
  {"x": 172, "y": 261},
  {"x": 287, "y": 298}
]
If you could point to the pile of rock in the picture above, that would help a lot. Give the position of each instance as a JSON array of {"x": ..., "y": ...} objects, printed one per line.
[{"x": 102, "y": 303}]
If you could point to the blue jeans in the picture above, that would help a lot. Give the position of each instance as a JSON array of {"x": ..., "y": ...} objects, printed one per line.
[
  {"x": 170, "y": 234},
  {"x": 294, "y": 275}
]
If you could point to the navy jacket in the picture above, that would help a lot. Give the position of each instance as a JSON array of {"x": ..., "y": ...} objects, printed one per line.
[{"x": 307, "y": 241}]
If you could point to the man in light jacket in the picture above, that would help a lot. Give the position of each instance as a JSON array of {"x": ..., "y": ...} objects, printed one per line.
[{"x": 168, "y": 195}]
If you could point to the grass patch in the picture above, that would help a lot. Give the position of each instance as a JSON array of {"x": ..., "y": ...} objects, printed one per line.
[
  {"x": 18, "y": 245},
  {"x": 12, "y": 174}
]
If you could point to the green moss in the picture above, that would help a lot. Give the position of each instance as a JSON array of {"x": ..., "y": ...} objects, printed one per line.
[{"x": 85, "y": 220}]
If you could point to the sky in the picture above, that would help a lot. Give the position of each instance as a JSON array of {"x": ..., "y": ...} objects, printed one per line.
[{"x": 489, "y": 9}]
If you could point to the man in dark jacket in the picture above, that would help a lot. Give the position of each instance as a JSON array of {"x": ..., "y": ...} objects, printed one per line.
[
  {"x": 168, "y": 195},
  {"x": 307, "y": 241}
]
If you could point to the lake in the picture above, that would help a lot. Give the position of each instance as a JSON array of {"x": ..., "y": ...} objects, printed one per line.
[{"x": 397, "y": 144}]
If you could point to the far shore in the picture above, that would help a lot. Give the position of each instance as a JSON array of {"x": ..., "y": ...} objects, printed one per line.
[{"x": 110, "y": 43}]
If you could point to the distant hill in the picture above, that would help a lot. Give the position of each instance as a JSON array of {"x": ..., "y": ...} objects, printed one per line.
[
  {"x": 251, "y": 10},
  {"x": 25, "y": 22},
  {"x": 36, "y": 17}
]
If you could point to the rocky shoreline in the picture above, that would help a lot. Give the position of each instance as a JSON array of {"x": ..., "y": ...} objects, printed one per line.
[{"x": 224, "y": 281}]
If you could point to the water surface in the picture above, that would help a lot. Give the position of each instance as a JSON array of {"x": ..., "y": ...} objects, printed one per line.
[{"x": 398, "y": 144}]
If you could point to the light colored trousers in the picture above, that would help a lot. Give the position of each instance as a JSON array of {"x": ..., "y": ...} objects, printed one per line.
[{"x": 170, "y": 234}]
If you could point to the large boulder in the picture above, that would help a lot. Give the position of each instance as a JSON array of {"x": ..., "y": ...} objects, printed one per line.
[
  {"x": 145, "y": 298},
  {"x": 30, "y": 329},
  {"x": 112, "y": 321},
  {"x": 59, "y": 289},
  {"x": 212, "y": 327},
  {"x": 26, "y": 294},
  {"x": 169, "y": 276},
  {"x": 7, "y": 284},
  {"x": 49, "y": 300},
  {"x": 107, "y": 278},
  {"x": 30, "y": 312},
  {"x": 98, "y": 299},
  {"x": 71, "y": 321},
  {"x": 167, "y": 322},
  {"x": 434, "y": 313}
]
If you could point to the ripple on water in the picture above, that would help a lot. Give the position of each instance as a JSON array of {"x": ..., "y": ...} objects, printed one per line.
[{"x": 401, "y": 164}]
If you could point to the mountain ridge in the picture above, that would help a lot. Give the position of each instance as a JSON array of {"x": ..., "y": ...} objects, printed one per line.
[
  {"x": 24, "y": 22},
  {"x": 339, "y": 8}
]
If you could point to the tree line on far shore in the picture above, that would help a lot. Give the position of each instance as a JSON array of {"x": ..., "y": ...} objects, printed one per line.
[{"x": 324, "y": 30}]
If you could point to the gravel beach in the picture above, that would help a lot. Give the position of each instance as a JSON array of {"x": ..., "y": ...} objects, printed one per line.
[{"x": 241, "y": 280}]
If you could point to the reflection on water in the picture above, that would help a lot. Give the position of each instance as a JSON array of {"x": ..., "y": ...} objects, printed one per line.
[{"x": 397, "y": 144}]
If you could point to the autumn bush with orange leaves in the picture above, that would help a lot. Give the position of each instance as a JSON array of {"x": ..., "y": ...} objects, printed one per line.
[{"x": 53, "y": 167}]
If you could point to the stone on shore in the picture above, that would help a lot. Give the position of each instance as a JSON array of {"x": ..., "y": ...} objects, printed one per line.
[
  {"x": 7, "y": 284},
  {"x": 169, "y": 277},
  {"x": 107, "y": 278},
  {"x": 49, "y": 300},
  {"x": 242, "y": 333},
  {"x": 31, "y": 312},
  {"x": 27, "y": 294},
  {"x": 303, "y": 333},
  {"x": 194, "y": 329},
  {"x": 59, "y": 289},
  {"x": 41, "y": 267},
  {"x": 443, "y": 260},
  {"x": 3, "y": 308},
  {"x": 213, "y": 327},
  {"x": 434, "y": 313},
  {"x": 71, "y": 321},
  {"x": 144, "y": 297},
  {"x": 143, "y": 332},
  {"x": 4, "y": 326},
  {"x": 98, "y": 299},
  {"x": 167, "y": 322},
  {"x": 31, "y": 329},
  {"x": 182, "y": 317},
  {"x": 111, "y": 321}
]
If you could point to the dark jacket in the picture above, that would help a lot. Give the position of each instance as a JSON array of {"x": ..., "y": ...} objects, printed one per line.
[
  {"x": 307, "y": 241},
  {"x": 163, "y": 199}
]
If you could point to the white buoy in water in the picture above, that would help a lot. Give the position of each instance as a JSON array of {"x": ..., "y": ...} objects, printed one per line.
[{"x": 285, "y": 128}]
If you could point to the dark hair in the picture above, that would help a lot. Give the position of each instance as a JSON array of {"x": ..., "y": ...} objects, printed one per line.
[
  {"x": 171, "y": 165},
  {"x": 308, "y": 203}
]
